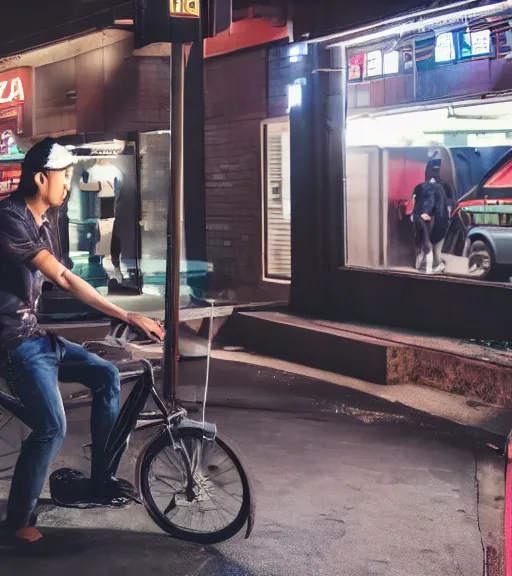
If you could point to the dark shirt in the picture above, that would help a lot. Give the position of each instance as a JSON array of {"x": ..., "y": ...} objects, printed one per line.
[
  {"x": 430, "y": 198},
  {"x": 21, "y": 239},
  {"x": 424, "y": 199}
]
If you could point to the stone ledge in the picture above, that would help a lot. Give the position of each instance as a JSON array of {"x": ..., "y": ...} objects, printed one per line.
[{"x": 376, "y": 355}]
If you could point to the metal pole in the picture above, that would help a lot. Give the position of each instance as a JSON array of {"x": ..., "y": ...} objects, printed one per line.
[{"x": 172, "y": 284}]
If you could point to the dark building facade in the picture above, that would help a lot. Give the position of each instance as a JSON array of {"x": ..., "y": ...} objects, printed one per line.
[
  {"x": 384, "y": 108},
  {"x": 97, "y": 90}
]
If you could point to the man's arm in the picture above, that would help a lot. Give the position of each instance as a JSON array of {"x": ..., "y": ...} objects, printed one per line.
[{"x": 57, "y": 273}]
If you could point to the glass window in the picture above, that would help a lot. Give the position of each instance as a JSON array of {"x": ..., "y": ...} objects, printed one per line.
[
  {"x": 476, "y": 43},
  {"x": 98, "y": 224},
  {"x": 445, "y": 48},
  {"x": 405, "y": 168},
  {"x": 428, "y": 161},
  {"x": 374, "y": 63},
  {"x": 154, "y": 192},
  {"x": 392, "y": 62},
  {"x": 10, "y": 173},
  {"x": 154, "y": 159},
  {"x": 276, "y": 199},
  {"x": 294, "y": 95}
]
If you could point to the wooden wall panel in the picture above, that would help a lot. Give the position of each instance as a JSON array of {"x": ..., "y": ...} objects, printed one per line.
[
  {"x": 90, "y": 85},
  {"x": 55, "y": 110}
]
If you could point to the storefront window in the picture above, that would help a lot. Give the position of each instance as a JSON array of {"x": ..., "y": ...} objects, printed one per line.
[
  {"x": 98, "y": 224},
  {"x": 429, "y": 151},
  {"x": 154, "y": 184},
  {"x": 96, "y": 230},
  {"x": 276, "y": 199}
]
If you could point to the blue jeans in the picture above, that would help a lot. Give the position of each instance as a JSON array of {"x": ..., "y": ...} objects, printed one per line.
[{"x": 38, "y": 366}]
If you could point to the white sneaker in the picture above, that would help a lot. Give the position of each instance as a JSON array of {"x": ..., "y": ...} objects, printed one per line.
[
  {"x": 118, "y": 275},
  {"x": 419, "y": 260},
  {"x": 429, "y": 263},
  {"x": 435, "y": 269}
]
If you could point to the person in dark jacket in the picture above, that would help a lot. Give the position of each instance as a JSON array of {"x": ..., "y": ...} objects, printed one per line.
[{"x": 430, "y": 218}]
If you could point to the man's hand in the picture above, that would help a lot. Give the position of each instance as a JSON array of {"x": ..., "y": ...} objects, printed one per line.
[
  {"x": 426, "y": 217},
  {"x": 151, "y": 328}
]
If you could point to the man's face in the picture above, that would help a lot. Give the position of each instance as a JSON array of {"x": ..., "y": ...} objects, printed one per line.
[{"x": 56, "y": 187}]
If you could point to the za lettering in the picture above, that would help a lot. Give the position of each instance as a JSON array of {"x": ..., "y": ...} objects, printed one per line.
[{"x": 11, "y": 90}]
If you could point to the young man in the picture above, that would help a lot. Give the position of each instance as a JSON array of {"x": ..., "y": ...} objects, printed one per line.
[{"x": 35, "y": 360}]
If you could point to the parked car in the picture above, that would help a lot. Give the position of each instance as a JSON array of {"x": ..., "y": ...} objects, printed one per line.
[{"x": 478, "y": 243}]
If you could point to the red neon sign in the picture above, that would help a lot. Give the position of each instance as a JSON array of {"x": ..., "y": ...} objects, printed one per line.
[
  {"x": 15, "y": 87},
  {"x": 11, "y": 91}
]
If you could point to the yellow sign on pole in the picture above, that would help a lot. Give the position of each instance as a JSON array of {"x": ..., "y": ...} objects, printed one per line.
[{"x": 184, "y": 8}]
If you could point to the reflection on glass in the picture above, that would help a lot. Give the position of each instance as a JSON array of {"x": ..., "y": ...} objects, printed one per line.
[
  {"x": 98, "y": 222},
  {"x": 154, "y": 177},
  {"x": 428, "y": 158},
  {"x": 410, "y": 175}
]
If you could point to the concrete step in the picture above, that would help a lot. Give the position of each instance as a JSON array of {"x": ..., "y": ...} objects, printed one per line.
[{"x": 376, "y": 354}]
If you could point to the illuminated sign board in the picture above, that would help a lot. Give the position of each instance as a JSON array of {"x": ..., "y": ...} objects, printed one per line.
[
  {"x": 356, "y": 66},
  {"x": 392, "y": 62},
  {"x": 476, "y": 43},
  {"x": 11, "y": 91},
  {"x": 445, "y": 48},
  {"x": 184, "y": 8},
  {"x": 374, "y": 63}
]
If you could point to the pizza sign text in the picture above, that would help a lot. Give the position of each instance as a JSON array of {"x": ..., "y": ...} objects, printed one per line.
[{"x": 11, "y": 91}]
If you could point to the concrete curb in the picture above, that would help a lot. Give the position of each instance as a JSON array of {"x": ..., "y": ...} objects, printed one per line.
[
  {"x": 376, "y": 355},
  {"x": 448, "y": 406}
]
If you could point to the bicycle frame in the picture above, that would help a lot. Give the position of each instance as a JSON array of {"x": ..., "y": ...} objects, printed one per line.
[
  {"x": 130, "y": 414},
  {"x": 142, "y": 372}
]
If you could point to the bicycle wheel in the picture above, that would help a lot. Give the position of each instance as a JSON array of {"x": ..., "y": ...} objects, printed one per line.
[{"x": 200, "y": 493}]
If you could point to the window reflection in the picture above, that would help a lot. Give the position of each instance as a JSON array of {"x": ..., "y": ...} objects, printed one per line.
[
  {"x": 99, "y": 220},
  {"x": 429, "y": 150}
]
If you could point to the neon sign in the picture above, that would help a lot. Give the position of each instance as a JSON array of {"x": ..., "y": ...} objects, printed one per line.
[
  {"x": 187, "y": 8},
  {"x": 11, "y": 91}
]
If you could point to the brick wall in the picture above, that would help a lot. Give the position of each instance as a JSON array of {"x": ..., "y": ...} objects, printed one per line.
[
  {"x": 115, "y": 92},
  {"x": 236, "y": 103},
  {"x": 132, "y": 94}
]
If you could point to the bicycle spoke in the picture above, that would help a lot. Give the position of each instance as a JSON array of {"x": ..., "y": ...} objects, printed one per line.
[
  {"x": 174, "y": 463},
  {"x": 226, "y": 459},
  {"x": 161, "y": 479},
  {"x": 216, "y": 502},
  {"x": 228, "y": 494},
  {"x": 221, "y": 473}
]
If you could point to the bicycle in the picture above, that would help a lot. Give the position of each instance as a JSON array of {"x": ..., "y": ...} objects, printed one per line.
[{"x": 192, "y": 449}]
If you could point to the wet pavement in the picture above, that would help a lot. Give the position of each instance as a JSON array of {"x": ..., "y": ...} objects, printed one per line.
[{"x": 347, "y": 485}]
